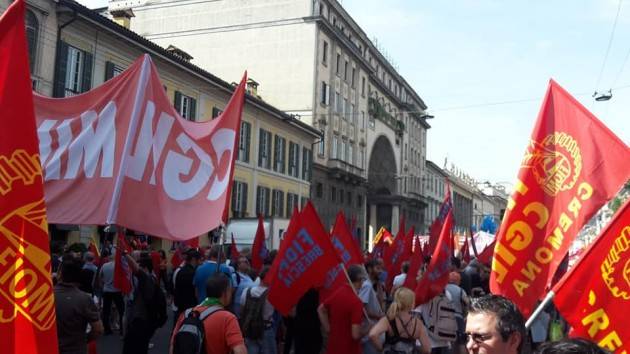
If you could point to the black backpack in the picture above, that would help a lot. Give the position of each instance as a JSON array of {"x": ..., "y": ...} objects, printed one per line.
[
  {"x": 252, "y": 321},
  {"x": 190, "y": 337},
  {"x": 156, "y": 307}
]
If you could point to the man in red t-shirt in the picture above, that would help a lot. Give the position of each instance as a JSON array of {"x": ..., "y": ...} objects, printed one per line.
[
  {"x": 222, "y": 332},
  {"x": 341, "y": 315}
]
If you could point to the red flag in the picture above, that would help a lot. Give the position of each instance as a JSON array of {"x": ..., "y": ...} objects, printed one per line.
[
  {"x": 437, "y": 226},
  {"x": 486, "y": 255},
  {"x": 234, "y": 253},
  {"x": 593, "y": 296},
  {"x": 436, "y": 276},
  {"x": 382, "y": 244},
  {"x": 27, "y": 304},
  {"x": 417, "y": 259},
  {"x": 572, "y": 166},
  {"x": 347, "y": 254},
  {"x": 122, "y": 271},
  {"x": 92, "y": 248},
  {"x": 465, "y": 251},
  {"x": 259, "y": 249},
  {"x": 303, "y": 261}
]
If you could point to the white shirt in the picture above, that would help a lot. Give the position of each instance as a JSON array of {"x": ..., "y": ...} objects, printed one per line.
[{"x": 399, "y": 280}]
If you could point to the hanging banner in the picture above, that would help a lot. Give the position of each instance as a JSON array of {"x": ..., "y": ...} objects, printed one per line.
[
  {"x": 121, "y": 154},
  {"x": 572, "y": 166}
]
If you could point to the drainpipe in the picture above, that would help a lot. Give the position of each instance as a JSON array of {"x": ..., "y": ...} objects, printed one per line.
[{"x": 74, "y": 17}]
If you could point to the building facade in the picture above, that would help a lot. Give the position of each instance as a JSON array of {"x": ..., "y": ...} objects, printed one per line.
[
  {"x": 74, "y": 49},
  {"x": 434, "y": 191},
  {"x": 315, "y": 62}
]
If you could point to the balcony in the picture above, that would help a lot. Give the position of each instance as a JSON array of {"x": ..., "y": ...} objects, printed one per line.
[{"x": 343, "y": 170}]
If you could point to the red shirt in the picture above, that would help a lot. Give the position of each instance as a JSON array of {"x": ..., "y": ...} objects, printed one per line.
[
  {"x": 344, "y": 310},
  {"x": 222, "y": 331}
]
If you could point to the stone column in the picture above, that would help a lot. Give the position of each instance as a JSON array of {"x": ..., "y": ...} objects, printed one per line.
[
  {"x": 395, "y": 219},
  {"x": 373, "y": 227}
]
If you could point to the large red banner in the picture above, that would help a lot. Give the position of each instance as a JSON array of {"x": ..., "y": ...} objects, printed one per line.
[
  {"x": 347, "y": 252},
  {"x": 27, "y": 304},
  {"x": 121, "y": 154},
  {"x": 572, "y": 166},
  {"x": 305, "y": 256},
  {"x": 436, "y": 277},
  {"x": 594, "y": 295}
]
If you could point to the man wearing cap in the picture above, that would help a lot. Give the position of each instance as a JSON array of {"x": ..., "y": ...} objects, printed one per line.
[{"x": 184, "y": 290}]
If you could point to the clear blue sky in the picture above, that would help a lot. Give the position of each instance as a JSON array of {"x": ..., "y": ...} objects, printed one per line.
[
  {"x": 463, "y": 53},
  {"x": 462, "y": 56}
]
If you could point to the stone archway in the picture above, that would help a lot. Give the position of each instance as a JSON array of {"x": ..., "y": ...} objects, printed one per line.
[{"x": 382, "y": 184}]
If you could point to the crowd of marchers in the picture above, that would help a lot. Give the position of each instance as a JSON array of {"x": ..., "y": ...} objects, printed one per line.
[{"x": 220, "y": 306}]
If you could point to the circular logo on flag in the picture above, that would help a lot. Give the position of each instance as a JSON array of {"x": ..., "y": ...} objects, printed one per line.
[
  {"x": 556, "y": 162},
  {"x": 616, "y": 266}
]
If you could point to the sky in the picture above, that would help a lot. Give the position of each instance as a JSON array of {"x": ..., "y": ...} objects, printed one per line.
[{"x": 467, "y": 58}]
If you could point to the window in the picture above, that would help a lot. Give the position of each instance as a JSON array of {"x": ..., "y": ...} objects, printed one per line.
[
  {"x": 216, "y": 112},
  {"x": 325, "y": 53},
  {"x": 277, "y": 203},
  {"x": 243, "y": 142},
  {"x": 292, "y": 203},
  {"x": 350, "y": 154},
  {"x": 361, "y": 157},
  {"x": 354, "y": 71},
  {"x": 321, "y": 147},
  {"x": 74, "y": 71},
  {"x": 239, "y": 199},
  {"x": 264, "y": 149},
  {"x": 345, "y": 71},
  {"x": 307, "y": 164},
  {"x": 363, "y": 86},
  {"x": 343, "y": 153},
  {"x": 353, "y": 116},
  {"x": 294, "y": 159},
  {"x": 362, "y": 119},
  {"x": 333, "y": 194},
  {"x": 339, "y": 103},
  {"x": 112, "y": 70},
  {"x": 279, "y": 154},
  {"x": 325, "y": 92},
  {"x": 262, "y": 201},
  {"x": 341, "y": 196},
  {"x": 319, "y": 190},
  {"x": 359, "y": 201},
  {"x": 346, "y": 107},
  {"x": 333, "y": 147},
  {"x": 186, "y": 106},
  {"x": 338, "y": 63},
  {"x": 32, "y": 33},
  {"x": 303, "y": 201},
  {"x": 349, "y": 198},
  {"x": 405, "y": 151}
]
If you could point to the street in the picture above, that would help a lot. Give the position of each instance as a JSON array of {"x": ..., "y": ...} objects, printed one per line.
[{"x": 112, "y": 344}]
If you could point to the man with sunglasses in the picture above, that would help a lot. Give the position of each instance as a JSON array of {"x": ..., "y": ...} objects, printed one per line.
[{"x": 494, "y": 326}]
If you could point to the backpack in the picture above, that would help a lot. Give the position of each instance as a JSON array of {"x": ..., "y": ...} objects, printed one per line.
[
  {"x": 191, "y": 336},
  {"x": 441, "y": 321},
  {"x": 252, "y": 321},
  {"x": 156, "y": 307},
  {"x": 400, "y": 345}
]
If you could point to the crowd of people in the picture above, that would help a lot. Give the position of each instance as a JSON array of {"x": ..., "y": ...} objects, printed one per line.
[{"x": 220, "y": 306}]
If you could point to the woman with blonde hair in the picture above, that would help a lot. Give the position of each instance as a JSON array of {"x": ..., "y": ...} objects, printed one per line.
[{"x": 401, "y": 328}]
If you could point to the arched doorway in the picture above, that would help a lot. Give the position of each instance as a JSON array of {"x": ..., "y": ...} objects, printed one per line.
[{"x": 382, "y": 184}]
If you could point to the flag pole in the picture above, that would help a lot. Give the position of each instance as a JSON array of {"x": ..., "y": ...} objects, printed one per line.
[
  {"x": 345, "y": 272},
  {"x": 550, "y": 295}
]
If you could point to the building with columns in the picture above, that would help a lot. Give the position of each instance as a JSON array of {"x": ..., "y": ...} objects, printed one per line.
[{"x": 313, "y": 61}]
